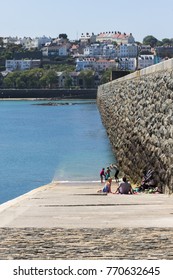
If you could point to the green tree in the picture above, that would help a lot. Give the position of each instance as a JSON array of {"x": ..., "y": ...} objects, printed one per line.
[
  {"x": 68, "y": 82},
  {"x": 10, "y": 79},
  {"x": 150, "y": 40},
  {"x": 166, "y": 41},
  {"x": 105, "y": 77},
  {"x": 159, "y": 43},
  {"x": 63, "y": 67},
  {"x": 7, "y": 54},
  {"x": 63, "y": 35},
  {"x": 1, "y": 42},
  {"x": 43, "y": 81},
  {"x": 1, "y": 80},
  {"x": 88, "y": 78},
  {"x": 52, "y": 78},
  {"x": 20, "y": 84}
]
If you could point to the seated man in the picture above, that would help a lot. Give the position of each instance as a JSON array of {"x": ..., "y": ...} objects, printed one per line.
[{"x": 124, "y": 187}]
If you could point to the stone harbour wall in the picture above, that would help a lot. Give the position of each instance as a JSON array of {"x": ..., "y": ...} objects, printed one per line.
[{"x": 137, "y": 112}]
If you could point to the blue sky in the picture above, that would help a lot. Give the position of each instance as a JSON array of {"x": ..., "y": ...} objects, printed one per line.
[{"x": 50, "y": 18}]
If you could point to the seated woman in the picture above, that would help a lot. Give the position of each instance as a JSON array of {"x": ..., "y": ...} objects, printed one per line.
[
  {"x": 107, "y": 186},
  {"x": 124, "y": 187}
]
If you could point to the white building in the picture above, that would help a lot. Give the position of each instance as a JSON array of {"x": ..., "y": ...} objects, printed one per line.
[
  {"x": 126, "y": 63},
  {"x": 134, "y": 64},
  {"x": 118, "y": 37},
  {"x": 84, "y": 63},
  {"x": 109, "y": 51},
  {"x": 55, "y": 51},
  {"x": 92, "y": 63},
  {"x": 94, "y": 50},
  {"x": 127, "y": 50},
  {"x": 87, "y": 38},
  {"x": 37, "y": 42},
  {"x": 13, "y": 64},
  {"x": 10, "y": 40},
  {"x": 104, "y": 64},
  {"x": 103, "y": 50},
  {"x": 145, "y": 61}
]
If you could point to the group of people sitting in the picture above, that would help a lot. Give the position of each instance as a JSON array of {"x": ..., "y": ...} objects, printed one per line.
[{"x": 124, "y": 187}]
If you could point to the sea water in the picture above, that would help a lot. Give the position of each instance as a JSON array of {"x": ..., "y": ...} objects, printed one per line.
[{"x": 42, "y": 142}]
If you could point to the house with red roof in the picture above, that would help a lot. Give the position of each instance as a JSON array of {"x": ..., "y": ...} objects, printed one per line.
[{"x": 118, "y": 37}]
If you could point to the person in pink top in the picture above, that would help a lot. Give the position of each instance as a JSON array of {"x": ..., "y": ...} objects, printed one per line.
[{"x": 102, "y": 174}]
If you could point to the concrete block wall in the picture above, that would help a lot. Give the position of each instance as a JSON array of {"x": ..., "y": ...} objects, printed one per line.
[{"x": 137, "y": 112}]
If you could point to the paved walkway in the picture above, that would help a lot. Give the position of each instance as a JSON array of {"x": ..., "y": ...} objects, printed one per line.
[
  {"x": 73, "y": 221},
  {"x": 80, "y": 206}
]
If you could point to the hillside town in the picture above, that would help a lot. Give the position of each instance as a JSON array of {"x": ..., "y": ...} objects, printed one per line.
[{"x": 89, "y": 58}]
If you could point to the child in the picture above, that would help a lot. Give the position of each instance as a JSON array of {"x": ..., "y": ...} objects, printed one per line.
[{"x": 102, "y": 174}]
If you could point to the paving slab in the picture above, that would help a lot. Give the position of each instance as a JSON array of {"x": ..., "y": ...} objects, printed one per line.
[{"x": 79, "y": 205}]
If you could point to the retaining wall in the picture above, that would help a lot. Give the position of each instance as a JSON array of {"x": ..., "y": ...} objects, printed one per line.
[
  {"x": 137, "y": 112},
  {"x": 48, "y": 93}
]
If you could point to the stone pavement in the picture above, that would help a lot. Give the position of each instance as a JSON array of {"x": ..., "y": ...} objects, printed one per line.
[
  {"x": 73, "y": 221},
  {"x": 110, "y": 243}
]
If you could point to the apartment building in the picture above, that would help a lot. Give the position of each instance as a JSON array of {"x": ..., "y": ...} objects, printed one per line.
[
  {"x": 109, "y": 51},
  {"x": 84, "y": 63},
  {"x": 125, "y": 63},
  {"x": 118, "y": 37},
  {"x": 127, "y": 50},
  {"x": 87, "y": 38},
  {"x": 13, "y": 64},
  {"x": 104, "y": 64},
  {"x": 51, "y": 51},
  {"x": 93, "y": 50},
  {"x": 100, "y": 50},
  {"x": 145, "y": 61},
  {"x": 92, "y": 63},
  {"x": 27, "y": 42},
  {"x": 39, "y": 42}
]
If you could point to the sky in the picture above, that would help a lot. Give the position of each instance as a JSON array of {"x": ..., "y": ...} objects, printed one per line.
[{"x": 35, "y": 18}]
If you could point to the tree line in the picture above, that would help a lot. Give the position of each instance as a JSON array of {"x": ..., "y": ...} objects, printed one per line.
[
  {"x": 39, "y": 78},
  {"x": 154, "y": 42}
]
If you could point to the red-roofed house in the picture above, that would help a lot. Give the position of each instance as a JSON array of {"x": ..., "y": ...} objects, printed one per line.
[{"x": 118, "y": 37}]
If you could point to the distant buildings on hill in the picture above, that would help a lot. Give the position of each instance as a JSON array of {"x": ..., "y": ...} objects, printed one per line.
[{"x": 106, "y": 50}]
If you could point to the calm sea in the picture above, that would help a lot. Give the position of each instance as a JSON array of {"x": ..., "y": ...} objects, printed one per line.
[{"x": 40, "y": 144}]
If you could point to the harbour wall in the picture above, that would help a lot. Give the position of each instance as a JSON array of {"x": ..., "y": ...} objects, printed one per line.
[
  {"x": 48, "y": 93},
  {"x": 137, "y": 112}
]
